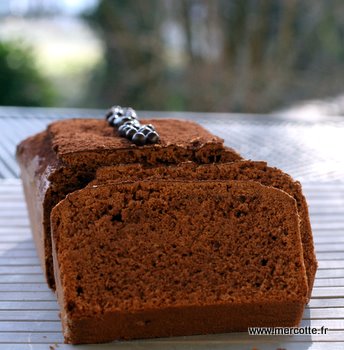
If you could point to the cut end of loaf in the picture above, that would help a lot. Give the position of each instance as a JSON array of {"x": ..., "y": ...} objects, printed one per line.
[{"x": 153, "y": 247}]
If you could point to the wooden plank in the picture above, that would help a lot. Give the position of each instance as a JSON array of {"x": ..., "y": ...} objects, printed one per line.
[
  {"x": 27, "y": 287},
  {"x": 19, "y": 232},
  {"x": 326, "y": 303},
  {"x": 329, "y": 282},
  {"x": 30, "y": 253},
  {"x": 328, "y": 218},
  {"x": 15, "y": 230},
  {"x": 10, "y": 270},
  {"x": 325, "y": 209},
  {"x": 331, "y": 264},
  {"x": 26, "y": 326},
  {"x": 31, "y": 338},
  {"x": 329, "y": 238},
  {"x": 8, "y": 183},
  {"x": 330, "y": 273},
  {"x": 322, "y": 202},
  {"x": 16, "y": 261},
  {"x": 326, "y": 231},
  {"x": 12, "y": 197},
  {"x": 330, "y": 255},
  {"x": 14, "y": 206},
  {"x": 37, "y": 305},
  {"x": 16, "y": 222},
  {"x": 27, "y": 296},
  {"x": 325, "y": 191},
  {"x": 328, "y": 225},
  {"x": 330, "y": 247},
  {"x": 7, "y": 164},
  {"x": 11, "y": 186},
  {"x": 31, "y": 315},
  {"x": 328, "y": 292},
  {"x": 20, "y": 278},
  {"x": 333, "y": 324},
  {"x": 15, "y": 239},
  {"x": 11, "y": 214},
  {"x": 17, "y": 246},
  {"x": 324, "y": 314}
]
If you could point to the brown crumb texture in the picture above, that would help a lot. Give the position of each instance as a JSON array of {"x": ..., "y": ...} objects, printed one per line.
[
  {"x": 64, "y": 158},
  {"x": 219, "y": 255},
  {"x": 241, "y": 170}
]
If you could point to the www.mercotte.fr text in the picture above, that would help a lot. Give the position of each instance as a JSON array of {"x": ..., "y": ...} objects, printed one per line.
[{"x": 287, "y": 330}]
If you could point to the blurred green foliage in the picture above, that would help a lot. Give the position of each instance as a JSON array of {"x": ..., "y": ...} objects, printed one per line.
[
  {"x": 21, "y": 84},
  {"x": 132, "y": 71},
  {"x": 252, "y": 56},
  {"x": 234, "y": 55}
]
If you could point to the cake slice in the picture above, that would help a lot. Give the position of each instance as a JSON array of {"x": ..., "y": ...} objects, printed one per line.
[
  {"x": 65, "y": 157},
  {"x": 168, "y": 258},
  {"x": 244, "y": 170}
]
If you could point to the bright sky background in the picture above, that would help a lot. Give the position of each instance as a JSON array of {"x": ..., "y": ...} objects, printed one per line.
[
  {"x": 77, "y": 6},
  {"x": 60, "y": 42},
  {"x": 70, "y": 7},
  {"x": 64, "y": 46}
]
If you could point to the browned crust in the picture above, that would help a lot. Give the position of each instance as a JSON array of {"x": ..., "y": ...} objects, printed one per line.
[
  {"x": 34, "y": 156},
  {"x": 80, "y": 135},
  {"x": 183, "y": 321}
]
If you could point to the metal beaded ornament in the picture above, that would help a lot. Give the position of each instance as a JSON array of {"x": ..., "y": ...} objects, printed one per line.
[{"x": 127, "y": 124}]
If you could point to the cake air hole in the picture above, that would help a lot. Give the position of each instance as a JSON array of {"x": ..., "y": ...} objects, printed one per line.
[
  {"x": 264, "y": 262},
  {"x": 117, "y": 217}
]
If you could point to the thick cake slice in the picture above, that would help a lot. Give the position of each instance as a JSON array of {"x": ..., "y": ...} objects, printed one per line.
[
  {"x": 155, "y": 259},
  {"x": 241, "y": 170},
  {"x": 66, "y": 156}
]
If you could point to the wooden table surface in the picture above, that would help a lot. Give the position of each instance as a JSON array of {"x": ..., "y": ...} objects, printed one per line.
[{"x": 309, "y": 150}]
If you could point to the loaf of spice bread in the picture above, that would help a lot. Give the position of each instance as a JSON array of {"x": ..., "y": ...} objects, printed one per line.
[
  {"x": 240, "y": 170},
  {"x": 167, "y": 258},
  {"x": 66, "y": 156},
  {"x": 231, "y": 223}
]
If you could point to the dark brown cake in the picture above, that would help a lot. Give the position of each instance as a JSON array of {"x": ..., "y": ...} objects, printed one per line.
[
  {"x": 65, "y": 157},
  {"x": 241, "y": 170},
  {"x": 168, "y": 258}
]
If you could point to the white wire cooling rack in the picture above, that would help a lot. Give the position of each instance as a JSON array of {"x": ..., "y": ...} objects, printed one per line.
[
  {"x": 311, "y": 151},
  {"x": 29, "y": 313}
]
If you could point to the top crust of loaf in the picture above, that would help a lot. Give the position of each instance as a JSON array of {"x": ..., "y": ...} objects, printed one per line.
[
  {"x": 93, "y": 143},
  {"x": 77, "y": 135}
]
